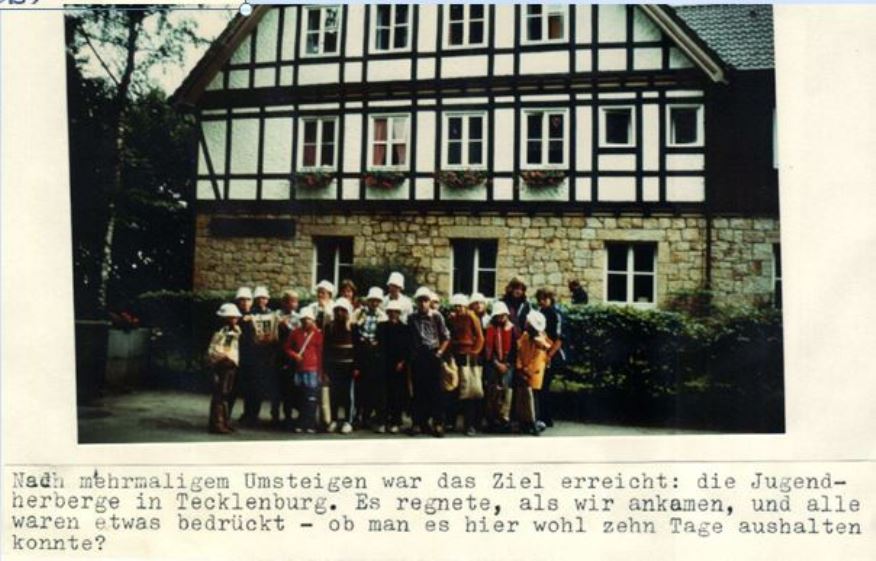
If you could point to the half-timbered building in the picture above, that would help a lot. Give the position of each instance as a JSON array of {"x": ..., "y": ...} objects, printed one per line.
[{"x": 630, "y": 147}]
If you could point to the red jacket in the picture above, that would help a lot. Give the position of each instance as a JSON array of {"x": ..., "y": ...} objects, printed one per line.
[
  {"x": 508, "y": 338},
  {"x": 312, "y": 353}
]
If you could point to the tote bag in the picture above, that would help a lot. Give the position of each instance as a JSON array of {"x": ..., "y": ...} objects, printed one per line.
[
  {"x": 449, "y": 375},
  {"x": 471, "y": 385}
]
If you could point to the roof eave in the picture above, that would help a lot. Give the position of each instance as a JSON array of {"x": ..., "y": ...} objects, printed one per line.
[{"x": 686, "y": 40}]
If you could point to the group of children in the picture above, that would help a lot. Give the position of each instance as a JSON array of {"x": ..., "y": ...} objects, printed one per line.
[{"x": 339, "y": 364}]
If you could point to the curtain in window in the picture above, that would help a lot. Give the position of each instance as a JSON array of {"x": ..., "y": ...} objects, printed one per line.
[{"x": 379, "y": 156}]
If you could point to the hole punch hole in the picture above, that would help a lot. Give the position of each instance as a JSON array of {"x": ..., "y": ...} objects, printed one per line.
[{"x": 245, "y": 9}]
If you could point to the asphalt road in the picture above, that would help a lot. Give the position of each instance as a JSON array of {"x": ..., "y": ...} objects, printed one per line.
[{"x": 156, "y": 416}]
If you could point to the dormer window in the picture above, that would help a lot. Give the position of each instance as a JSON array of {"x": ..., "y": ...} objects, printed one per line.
[
  {"x": 392, "y": 27},
  {"x": 617, "y": 127},
  {"x": 321, "y": 35},
  {"x": 545, "y": 23}
]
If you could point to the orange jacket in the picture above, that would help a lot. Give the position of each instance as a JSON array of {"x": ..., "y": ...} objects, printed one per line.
[
  {"x": 532, "y": 358},
  {"x": 466, "y": 335}
]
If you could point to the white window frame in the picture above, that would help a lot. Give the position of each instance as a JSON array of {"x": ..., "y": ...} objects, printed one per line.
[
  {"x": 390, "y": 117},
  {"x": 392, "y": 29},
  {"x": 698, "y": 107},
  {"x": 545, "y": 140},
  {"x": 547, "y": 9},
  {"x": 476, "y": 268},
  {"x": 319, "y": 129},
  {"x": 630, "y": 274},
  {"x": 336, "y": 268},
  {"x": 445, "y": 140},
  {"x": 322, "y": 15},
  {"x": 603, "y": 130},
  {"x": 466, "y": 23}
]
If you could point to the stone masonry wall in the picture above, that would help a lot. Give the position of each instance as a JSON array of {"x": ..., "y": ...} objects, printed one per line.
[{"x": 544, "y": 251}]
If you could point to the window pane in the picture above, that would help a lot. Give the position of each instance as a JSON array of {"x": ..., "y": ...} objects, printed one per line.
[
  {"x": 475, "y": 152},
  {"x": 617, "y": 258},
  {"x": 399, "y": 128},
  {"x": 454, "y": 128},
  {"x": 383, "y": 15},
  {"x": 476, "y": 33},
  {"x": 399, "y": 154},
  {"x": 533, "y": 28},
  {"x": 533, "y": 152},
  {"x": 617, "y": 126},
  {"x": 313, "y": 17},
  {"x": 533, "y": 126},
  {"x": 456, "y": 33},
  {"x": 684, "y": 125},
  {"x": 331, "y": 42},
  {"x": 487, "y": 283},
  {"x": 328, "y": 131},
  {"x": 555, "y": 152},
  {"x": 383, "y": 39},
  {"x": 401, "y": 14},
  {"x": 309, "y": 154},
  {"x": 556, "y": 126},
  {"x": 310, "y": 131},
  {"x": 325, "y": 259},
  {"x": 401, "y": 37},
  {"x": 476, "y": 11},
  {"x": 379, "y": 155},
  {"x": 328, "y": 155},
  {"x": 643, "y": 258},
  {"x": 617, "y": 288},
  {"x": 312, "y": 43},
  {"x": 463, "y": 266},
  {"x": 487, "y": 254},
  {"x": 475, "y": 128},
  {"x": 533, "y": 9},
  {"x": 456, "y": 12},
  {"x": 345, "y": 250},
  {"x": 379, "y": 129},
  {"x": 555, "y": 26},
  {"x": 454, "y": 153},
  {"x": 643, "y": 288},
  {"x": 331, "y": 19}
]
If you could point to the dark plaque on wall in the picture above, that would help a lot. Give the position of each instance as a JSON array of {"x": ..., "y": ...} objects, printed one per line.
[{"x": 252, "y": 227}]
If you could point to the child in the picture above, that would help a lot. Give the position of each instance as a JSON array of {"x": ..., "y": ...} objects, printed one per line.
[
  {"x": 260, "y": 384},
  {"x": 347, "y": 289},
  {"x": 515, "y": 299},
  {"x": 287, "y": 321},
  {"x": 428, "y": 339},
  {"x": 478, "y": 304},
  {"x": 532, "y": 353},
  {"x": 322, "y": 306},
  {"x": 341, "y": 369},
  {"x": 500, "y": 352},
  {"x": 223, "y": 356},
  {"x": 393, "y": 345},
  {"x": 556, "y": 356},
  {"x": 466, "y": 343},
  {"x": 304, "y": 347},
  {"x": 370, "y": 387},
  {"x": 246, "y": 368},
  {"x": 395, "y": 286},
  {"x": 434, "y": 301}
]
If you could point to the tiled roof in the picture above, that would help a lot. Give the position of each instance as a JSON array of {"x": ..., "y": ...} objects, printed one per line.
[{"x": 741, "y": 34}]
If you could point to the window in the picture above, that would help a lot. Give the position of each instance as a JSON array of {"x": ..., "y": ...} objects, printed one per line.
[
  {"x": 392, "y": 27},
  {"x": 464, "y": 140},
  {"x": 630, "y": 273},
  {"x": 318, "y": 142},
  {"x": 777, "y": 275},
  {"x": 389, "y": 141},
  {"x": 321, "y": 35},
  {"x": 545, "y": 23},
  {"x": 334, "y": 259},
  {"x": 685, "y": 125},
  {"x": 474, "y": 267},
  {"x": 617, "y": 126},
  {"x": 545, "y": 138},
  {"x": 466, "y": 25}
]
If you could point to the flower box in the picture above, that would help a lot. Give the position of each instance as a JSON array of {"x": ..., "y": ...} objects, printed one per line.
[
  {"x": 387, "y": 180},
  {"x": 314, "y": 180},
  {"x": 462, "y": 178},
  {"x": 543, "y": 178}
]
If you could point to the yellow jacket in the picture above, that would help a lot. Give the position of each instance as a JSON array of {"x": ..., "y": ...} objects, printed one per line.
[{"x": 532, "y": 358}]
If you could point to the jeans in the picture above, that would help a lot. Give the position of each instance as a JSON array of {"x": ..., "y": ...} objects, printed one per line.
[{"x": 307, "y": 386}]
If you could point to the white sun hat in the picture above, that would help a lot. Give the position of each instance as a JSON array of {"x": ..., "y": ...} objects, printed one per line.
[
  {"x": 423, "y": 292},
  {"x": 243, "y": 292},
  {"x": 307, "y": 313},
  {"x": 343, "y": 303},
  {"x": 477, "y": 297},
  {"x": 394, "y": 306},
  {"x": 500, "y": 308},
  {"x": 261, "y": 292},
  {"x": 537, "y": 320},
  {"x": 375, "y": 293},
  {"x": 327, "y": 286},
  {"x": 459, "y": 300},
  {"x": 397, "y": 279},
  {"x": 228, "y": 310}
]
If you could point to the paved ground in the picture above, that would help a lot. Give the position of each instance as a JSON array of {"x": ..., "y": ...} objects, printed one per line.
[{"x": 156, "y": 416}]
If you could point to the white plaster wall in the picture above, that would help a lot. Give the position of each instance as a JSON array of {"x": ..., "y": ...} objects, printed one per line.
[
  {"x": 685, "y": 189},
  {"x": 612, "y": 23},
  {"x": 616, "y": 189}
]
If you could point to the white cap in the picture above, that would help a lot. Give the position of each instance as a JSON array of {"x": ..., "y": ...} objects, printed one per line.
[
  {"x": 394, "y": 306},
  {"x": 537, "y": 320},
  {"x": 375, "y": 293},
  {"x": 261, "y": 292},
  {"x": 500, "y": 308},
  {"x": 435, "y": 297},
  {"x": 477, "y": 297},
  {"x": 326, "y": 285},
  {"x": 397, "y": 279},
  {"x": 307, "y": 313},
  {"x": 459, "y": 300},
  {"x": 243, "y": 292},
  {"x": 228, "y": 311},
  {"x": 343, "y": 303},
  {"x": 422, "y": 292}
]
